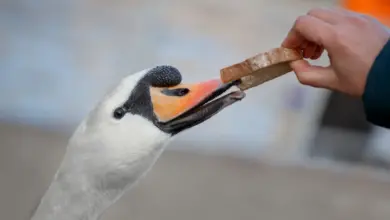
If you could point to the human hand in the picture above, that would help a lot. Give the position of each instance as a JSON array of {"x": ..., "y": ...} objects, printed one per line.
[{"x": 351, "y": 40}]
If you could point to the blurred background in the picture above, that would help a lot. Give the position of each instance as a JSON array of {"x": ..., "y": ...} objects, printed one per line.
[{"x": 285, "y": 152}]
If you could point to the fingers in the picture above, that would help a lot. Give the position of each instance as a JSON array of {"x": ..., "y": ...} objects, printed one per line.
[
  {"x": 327, "y": 15},
  {"x": 341, "y": 33},
  {"x": 345, "y": 13},
  {"x": 318, "y": 52},
  {"x": 314, "y": 31},
  {"x": 316, "y": 76},
  {"x": 311, "y": 29},
  {"x": 294, "y": 40},
  {"x": 310, "y": 50}
]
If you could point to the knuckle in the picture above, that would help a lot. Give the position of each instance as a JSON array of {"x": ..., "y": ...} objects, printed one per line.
[
  {"x": 366, "y": 17},
  {"x": 369, "y": 20},
  {"x": 300, "y": 21},
  {"x": 358, "y": 20},
  {"x": 316, "y": 11}
]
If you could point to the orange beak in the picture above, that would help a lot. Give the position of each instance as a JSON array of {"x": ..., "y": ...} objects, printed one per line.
[{"x": 167, "y": 107}]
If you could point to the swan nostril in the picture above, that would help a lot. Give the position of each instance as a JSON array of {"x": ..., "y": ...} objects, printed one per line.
[
  {"x": 182, "y": 92},
  {"x": 176, "y": 92}
]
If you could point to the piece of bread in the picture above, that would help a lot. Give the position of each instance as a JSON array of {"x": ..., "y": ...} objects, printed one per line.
[{"x": 260, "y": 68}]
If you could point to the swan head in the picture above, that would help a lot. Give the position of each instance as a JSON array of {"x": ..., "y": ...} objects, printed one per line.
[{"x": 156, "y": 98}]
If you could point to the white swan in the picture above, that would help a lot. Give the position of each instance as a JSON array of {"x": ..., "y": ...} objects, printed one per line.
[{"x": 120, "y": 140}]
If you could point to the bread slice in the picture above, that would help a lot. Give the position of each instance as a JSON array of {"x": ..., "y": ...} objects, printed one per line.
[{"x": 260, "y": 68}]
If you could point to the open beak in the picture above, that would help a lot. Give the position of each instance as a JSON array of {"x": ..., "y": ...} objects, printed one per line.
[{"x": 197, "y": 104}]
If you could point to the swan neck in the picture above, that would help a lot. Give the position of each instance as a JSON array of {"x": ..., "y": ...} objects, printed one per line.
[{"x": 66, "y": 200}]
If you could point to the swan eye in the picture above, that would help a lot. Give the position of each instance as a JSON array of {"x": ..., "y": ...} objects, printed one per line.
[
  {"x": 176, "y": 92},
  {"x": 119, "y": 113}
]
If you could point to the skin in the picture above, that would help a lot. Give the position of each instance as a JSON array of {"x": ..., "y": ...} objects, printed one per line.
[{"x": 351, "y": 40}]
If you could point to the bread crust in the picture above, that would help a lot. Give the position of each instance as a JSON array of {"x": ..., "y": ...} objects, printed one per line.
[{"x": 260, "y": 68}]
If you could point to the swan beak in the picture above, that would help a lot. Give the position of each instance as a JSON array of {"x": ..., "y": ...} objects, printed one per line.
[{"x": 171, "y": 102}]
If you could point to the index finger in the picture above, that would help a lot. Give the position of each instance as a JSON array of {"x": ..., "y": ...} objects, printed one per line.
[
  {"x": 309, "y": 28},
  {"x": 293, "y": 40}
]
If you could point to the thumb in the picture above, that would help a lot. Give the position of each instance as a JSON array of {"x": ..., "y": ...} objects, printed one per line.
[{"x": 316, "y": 76}]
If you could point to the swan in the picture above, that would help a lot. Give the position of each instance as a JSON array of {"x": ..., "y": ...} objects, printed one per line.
[{"x": 123, "y": 136}]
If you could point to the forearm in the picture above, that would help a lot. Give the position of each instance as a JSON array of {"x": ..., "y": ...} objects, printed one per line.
[{"x": 376, "y": 97}]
